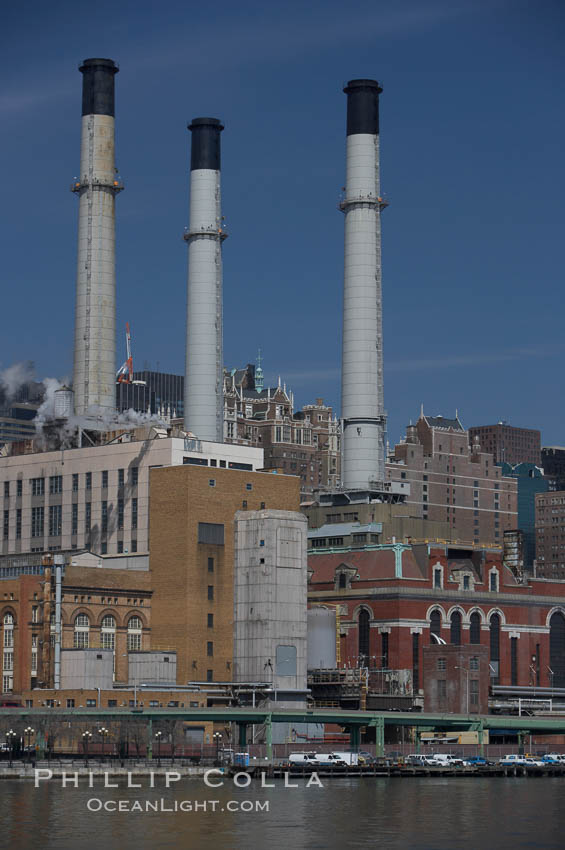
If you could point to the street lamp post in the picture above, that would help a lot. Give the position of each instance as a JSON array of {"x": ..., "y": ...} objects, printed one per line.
[
  {"x": 11, "y": 736},
  {"x": 104, "y": 733},
  {"x": 217, "y": 736},
  {"x": 158, "y": 735},
  {"x": 86, "y": 736},
  {"x": 28, "y": 732}
]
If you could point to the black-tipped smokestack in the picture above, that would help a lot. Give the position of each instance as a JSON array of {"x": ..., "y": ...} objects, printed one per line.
[
  {"x": 205, "y": 149},
  {"x": 98, "y": 86},
  {"x": 362, "y": 107}
]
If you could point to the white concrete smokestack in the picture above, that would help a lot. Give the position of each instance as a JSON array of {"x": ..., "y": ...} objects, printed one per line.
[
  {"x": 94, "y": 376},
  {"x": 362, "y": 364},
  {"x": 203, "y": 381}
]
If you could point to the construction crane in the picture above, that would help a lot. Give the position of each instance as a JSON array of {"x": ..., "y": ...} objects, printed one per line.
[{"x": 124, "y": 375}]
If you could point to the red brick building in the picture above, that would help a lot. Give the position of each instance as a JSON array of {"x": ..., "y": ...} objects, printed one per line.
[
  {"x": 395, "y": 599},
  {"x": 550, "y": 534},
  {"x": 508, "y": 444},
  {"x": 455, "y": 482}
]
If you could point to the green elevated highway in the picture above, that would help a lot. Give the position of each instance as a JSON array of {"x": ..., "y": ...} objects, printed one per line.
[{"x": 352, "y": 721}]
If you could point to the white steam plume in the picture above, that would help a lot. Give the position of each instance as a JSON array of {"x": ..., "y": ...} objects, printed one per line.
[{"x": 15, "y": 376}]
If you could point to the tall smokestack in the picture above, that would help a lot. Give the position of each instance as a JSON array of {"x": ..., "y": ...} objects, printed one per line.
[
  {"x": 363, "y": 412},
  {"x": 203, "y": 382},
  {"x": 94, "y": 376}
]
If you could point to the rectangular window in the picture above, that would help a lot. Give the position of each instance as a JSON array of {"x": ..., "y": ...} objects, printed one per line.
[
  {"x": 210, "y": 565},
  {"x": 38, "y": 486},
  {"x": 75, "y": 482},
  {"x": 134, "y": 512},
  {"x": 134, "y": 545},
  {"x": 120, "y": 513},
  {"x": 105, "y": 479},
  {"x": 18, "y": 523},
  {"x": 6, "y": 489},
  {"x": 104, "y": 548},
  {"x": 113, "y": 703},
  {"x": 210, "y": 648},
  {"x": 70, "y": 703},
  {"x": 211, "y": 592},
  {"x": 209, "y": 675},
  {"x": 74, "y": 519},
  {"x": 134, "y": 476},
  {"x": 514, "y": 661},
  {"x": 384, "y": 651},
  {"x": 19, "y": 487},
  {"x": 37, "y": 520},
  {"x": 91, "y": 703},
  {"x": 474, "y": 691},
  {"x": 441, "y": 664},
  {"x": 473, "y": 663},
  {"x": 120, "y": 547},
  {"x": 441, "y": 690},
  {"x": 416, "y": 662},
  {"x": 6, "y": 524},
  {"x": 210, "y": 621},
  {"x": 55, "y": 484},
  {"x": 87, "y": 517},
  {"x": 211, "y": 533},
  {"x": 104, "y": 516},
  {"x": 437, "y": 578},
  {"x": 120, "y": 477},
  {"x": 493, "y": 582},
  {"x": 88, "y": 481},
  {"x": 55, "y": 520}
]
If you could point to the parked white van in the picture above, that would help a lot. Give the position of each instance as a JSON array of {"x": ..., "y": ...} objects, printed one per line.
[
  {"x": 302, "y": 759},
  {"x": 417, "y": 760},
  {"x": 448, "y": 760}
]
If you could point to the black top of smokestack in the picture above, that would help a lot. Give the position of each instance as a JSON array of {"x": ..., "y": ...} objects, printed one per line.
[
  {"x": 205, "y": 151},
  {"x": 98, "y": 86},
  {"x": 362, "y": 106}
]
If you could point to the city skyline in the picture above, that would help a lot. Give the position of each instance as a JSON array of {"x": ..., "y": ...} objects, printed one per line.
[{"x": 470, "y": 242}]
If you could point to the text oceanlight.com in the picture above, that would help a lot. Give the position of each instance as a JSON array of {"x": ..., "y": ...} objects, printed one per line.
[{"x": 95, "y": 804}]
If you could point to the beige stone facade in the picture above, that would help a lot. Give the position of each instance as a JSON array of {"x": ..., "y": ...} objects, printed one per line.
[{"x": 192, "y": 559}]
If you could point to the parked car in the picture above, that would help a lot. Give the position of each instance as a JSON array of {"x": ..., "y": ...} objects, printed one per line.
[
  {"x": 550, "y": 760},
  {"x": 417, "y": 760},
  {"x": 556, "y": 757},
  {"x": 302, "y": 759},
  {"x": 476, "y": 761},
  {"x": 534, "y": 762},
  {"x": 512, "y": 759},
  {"x": 329, "y": 760},
  {"x": 448, "y": 759}
]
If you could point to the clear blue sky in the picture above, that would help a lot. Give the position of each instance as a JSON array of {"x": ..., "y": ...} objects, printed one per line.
[{"x": 472, "y": 129}]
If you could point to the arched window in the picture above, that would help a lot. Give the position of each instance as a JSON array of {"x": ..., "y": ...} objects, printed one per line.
[
  {"x": 82, "y": 629},
  {"x": 456, "y": 628},
  {"x": 134, "y": 633},
  {"x": 557, "y": 650},
  {"x": 495, "y": 648},
  {"x": 8, "y": 653},
  {"x": 435, "y": 625},
  {"x": 475, "y": 632},
  {"x": 364, "y": 630},
  {"x": 108, "y": 632}
]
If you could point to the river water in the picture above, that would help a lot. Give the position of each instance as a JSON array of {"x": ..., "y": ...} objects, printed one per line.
[{"x": 412, "y": 814}]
